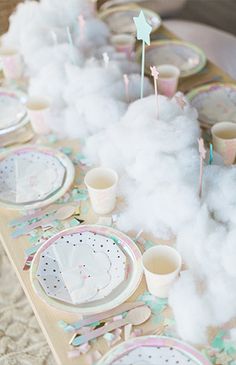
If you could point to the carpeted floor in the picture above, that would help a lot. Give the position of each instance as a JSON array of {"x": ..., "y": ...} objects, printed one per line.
[{"x": 21, "y": 340}]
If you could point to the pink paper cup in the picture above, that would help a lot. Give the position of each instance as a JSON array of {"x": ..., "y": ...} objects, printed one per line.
[
  {"x": 123, "y": 43},
  {"x": 224, "y": 141},
  {"x": 101, "y": 183},
  {"x": 12, "y": 63},
  {"x": 39, "y": 111},
  {"x": 161, "y": 266},
  {"x": 168, "y": 80}
]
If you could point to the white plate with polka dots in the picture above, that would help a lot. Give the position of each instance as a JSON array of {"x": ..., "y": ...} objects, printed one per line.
[
  {"x": 87, "y": 269},
  {"x": 33, "y": 176},
  {"x": 153, "y": 350}
]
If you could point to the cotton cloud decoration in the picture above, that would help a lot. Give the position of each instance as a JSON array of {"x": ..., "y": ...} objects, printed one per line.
[{"x": 158, "y": 163}]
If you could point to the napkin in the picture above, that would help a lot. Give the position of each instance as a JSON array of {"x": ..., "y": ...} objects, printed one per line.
[
  {"x": 84, "y": 271},
  {"x": 34, "y": 181}
]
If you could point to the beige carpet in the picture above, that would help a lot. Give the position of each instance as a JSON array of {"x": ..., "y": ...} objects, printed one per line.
[{"x": 21, "y": 340}]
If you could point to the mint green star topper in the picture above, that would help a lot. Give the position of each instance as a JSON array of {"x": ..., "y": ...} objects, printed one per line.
[
  {"x": 143, "y": 33},
  {"x": 143, "y": 28}
]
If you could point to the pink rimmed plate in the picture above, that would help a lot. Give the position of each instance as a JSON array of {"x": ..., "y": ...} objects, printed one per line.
[
  {"x": 120, "y": 18},
  {"x": 214, "y": 102},
  {"x": 33, "y": 176},
  {"x": 187, "y": 57},
  {"x": 153, "y": 350},
  {"x": 116, "y": 241}
]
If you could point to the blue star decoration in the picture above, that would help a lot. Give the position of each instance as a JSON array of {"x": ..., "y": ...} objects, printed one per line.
[{"x": 143, "y": 28}]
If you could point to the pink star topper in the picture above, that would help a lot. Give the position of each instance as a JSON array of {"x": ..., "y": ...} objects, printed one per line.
[
  {"x": 155, "y": 75},
  {"x": 154, "y": 72},
  {"x": 180, "y": 100}
]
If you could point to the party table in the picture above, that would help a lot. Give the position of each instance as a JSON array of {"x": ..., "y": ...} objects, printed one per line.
[{"x": 48, "y": 317}]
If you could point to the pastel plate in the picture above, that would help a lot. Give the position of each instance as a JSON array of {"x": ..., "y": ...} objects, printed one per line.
[
  {"x": 153, "y": 350},
  {"x": 214, "y": 102},
  {"x": 186, "y": 56},
  {"x": 13, "y": 114},
  {"x": 120, "y": 18},
  {"x": 33, "y": 176},
  {"x": 113, "y": 283}
]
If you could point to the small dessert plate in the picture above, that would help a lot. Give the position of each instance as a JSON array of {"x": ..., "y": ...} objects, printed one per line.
[{"x": 188, "y": 58}]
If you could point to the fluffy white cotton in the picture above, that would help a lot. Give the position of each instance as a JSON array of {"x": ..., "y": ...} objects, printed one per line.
[
  {"x": 158, "y": 163},
  {"x": 208, "y": 249},
  {"x": 92, "y": 114},
  {"x": 191, "y": 312},
  {"x": 155, "y": 155}
]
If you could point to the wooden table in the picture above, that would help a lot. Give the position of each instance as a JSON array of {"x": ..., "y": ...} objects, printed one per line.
[{"x": 48, "y": 317}]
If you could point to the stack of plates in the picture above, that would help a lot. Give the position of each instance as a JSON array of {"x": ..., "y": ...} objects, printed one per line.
[
  {"x": 87, "y": 269},
  {"x": 32, "y": 177},
  {"x": 13, "y": 113}
]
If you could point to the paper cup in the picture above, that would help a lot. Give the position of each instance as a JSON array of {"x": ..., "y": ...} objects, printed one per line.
[
  {"x": 12, "y": 63},
  {"x": 161, "y": 266},
  {"x": 224, "y": 140},
  {"x": 39, "y": 110},
  {"x": 102, "y": 186},
  {"x": 168, "y": 80},
  {"x": 124, "y": 43}
]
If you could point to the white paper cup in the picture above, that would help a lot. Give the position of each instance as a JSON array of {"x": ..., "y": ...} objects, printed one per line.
[
  {"x": 101, "y": 183},
  {"x": 168, "y": 80},
  {"x": 224, "y": 140},
  {"x": 161, "y": 266},
  {"x": 12, "y": 63},
  {"x": 39, "y": 110},
  {"x": 124, "y": 43}
]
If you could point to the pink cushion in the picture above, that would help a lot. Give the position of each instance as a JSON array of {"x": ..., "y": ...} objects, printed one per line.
[{"x": 219, "y": 46}]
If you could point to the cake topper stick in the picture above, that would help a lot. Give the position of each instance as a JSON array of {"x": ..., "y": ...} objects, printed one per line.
[
  {"x": 143, "y": 33},
  {"x": 126, "y": 82},
  {"x": 81, "y": 27},
  {"x": 70, "y": 40},
  {"x": 155, "y": 75},
  {"x": 202, "y": 152},
  {"x": 105, "y": 59}
]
